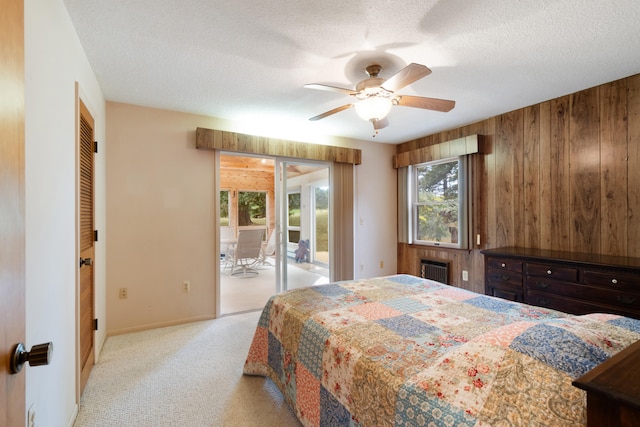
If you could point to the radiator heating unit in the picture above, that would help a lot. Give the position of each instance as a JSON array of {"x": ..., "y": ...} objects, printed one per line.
[{"x": 435, "y": 270}]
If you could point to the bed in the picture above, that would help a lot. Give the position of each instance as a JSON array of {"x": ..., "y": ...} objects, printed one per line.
[{"x": 405, "y": 351}]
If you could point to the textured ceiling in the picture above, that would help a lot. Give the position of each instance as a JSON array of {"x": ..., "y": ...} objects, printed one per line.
[{"x": 247, "y": 61}]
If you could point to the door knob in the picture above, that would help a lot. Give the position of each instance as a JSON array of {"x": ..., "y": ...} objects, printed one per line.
[{"x": 39, "y": 355}]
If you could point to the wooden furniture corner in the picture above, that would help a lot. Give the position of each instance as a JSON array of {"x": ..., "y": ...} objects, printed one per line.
[{"x": 613, "y": 390}]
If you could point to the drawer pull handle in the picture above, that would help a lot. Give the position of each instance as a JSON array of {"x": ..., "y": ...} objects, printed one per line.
[
  {"x": 503, "y": 265},
  {"x": 614, "y": 281},
  {"x": 626, "y": 300},
  {"x": 548, "y": 271},
  {"x": 505, "y": 277},
  {"x": 542, "y": 284}
]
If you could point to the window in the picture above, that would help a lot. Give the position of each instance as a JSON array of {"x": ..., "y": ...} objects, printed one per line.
[
  {"x": 224, "y": 208},
  {"x": 293, "y": 223},
  {"x": 439, "y": 203},
  {"x": 252, "y": 210}
]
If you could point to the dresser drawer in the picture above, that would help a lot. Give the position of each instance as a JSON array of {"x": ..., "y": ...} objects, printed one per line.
[
  {"x": 598, "y": 295},
  {"x": 611, "y": 280},
  {"x": 577, "y": 306},
  {"x": 504, "y": 277},
  {"x": 505, "y": 292},
  {"x": 558, "y": 302},
  {"x": 618, "y": 298},
  {"x": 558, "y": 273},
  {"x": 543, "y": 284},
  {"x": 505, "y": 264}
]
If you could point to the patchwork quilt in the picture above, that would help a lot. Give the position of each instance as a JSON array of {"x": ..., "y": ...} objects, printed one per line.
[{"x": 406, "y": 351}]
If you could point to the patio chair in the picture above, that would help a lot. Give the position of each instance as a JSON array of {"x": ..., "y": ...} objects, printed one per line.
[
  {"x": 246, "y": 253},
  {"x": 227, "y": 239},
  {"x": 268, "y": 249}
]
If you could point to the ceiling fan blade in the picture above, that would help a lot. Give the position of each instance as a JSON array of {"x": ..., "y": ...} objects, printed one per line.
[
  {"x": 406, "y": 76},
  {"x": 330, "y": 112},
  {"x": 330, "y": 88},
  {"x": 380, "y": 124},
  {"x": 436, "y": 104}
]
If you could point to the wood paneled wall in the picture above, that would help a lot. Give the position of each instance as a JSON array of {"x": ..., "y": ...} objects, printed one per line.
[{"x": 563, "y": 174}]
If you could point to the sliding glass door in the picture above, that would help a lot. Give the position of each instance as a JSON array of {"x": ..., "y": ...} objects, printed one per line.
[
  {"x": 289, "y": 202},
  {"x": 302, "y": 224},
  {"x": 246, "y": 222}
]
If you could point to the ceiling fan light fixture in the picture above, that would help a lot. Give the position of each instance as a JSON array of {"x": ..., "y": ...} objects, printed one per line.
[
  {"x": 373, "y": 108},
  {"x": 374, "y": 96}
]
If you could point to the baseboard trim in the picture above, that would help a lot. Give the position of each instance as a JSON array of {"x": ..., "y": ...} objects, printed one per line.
[
  {"x": 159, "y": 325},
  {"x": 74, "y": 415}
]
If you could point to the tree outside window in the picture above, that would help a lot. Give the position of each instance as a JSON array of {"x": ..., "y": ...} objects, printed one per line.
[
  {"x": 252, "y": 208},
  {"x": 438, "y": 202},
  {"x": 224, "y": 207}
]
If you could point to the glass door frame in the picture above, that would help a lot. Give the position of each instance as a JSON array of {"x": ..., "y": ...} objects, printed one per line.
[{"x": 282, "y": 215}]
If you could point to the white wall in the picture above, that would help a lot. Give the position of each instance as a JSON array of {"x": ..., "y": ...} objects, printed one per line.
[
  {"x": 54, "y": 62},
  {"x": 160, "y": 193},
  {"x": 376, "y": 246}
]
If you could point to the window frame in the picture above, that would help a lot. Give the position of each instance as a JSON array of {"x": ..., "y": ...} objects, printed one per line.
[
  {"x": 463, "y": 203},
  {"x": 294, "y": 228}
]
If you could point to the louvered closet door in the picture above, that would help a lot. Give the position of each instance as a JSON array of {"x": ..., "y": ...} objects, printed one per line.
[{"x": 86, "y": 230}]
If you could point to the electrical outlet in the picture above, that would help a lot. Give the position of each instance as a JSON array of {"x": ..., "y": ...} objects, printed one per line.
[
  {"x": 465, "y": 275},
  {"x": 31, "y": 416},
  {"x": 186, "y": 286},
  {"x": 123, "y": 293}
]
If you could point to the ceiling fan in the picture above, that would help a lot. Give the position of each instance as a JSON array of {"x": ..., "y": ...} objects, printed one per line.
[{"x": 375, "y": 96}]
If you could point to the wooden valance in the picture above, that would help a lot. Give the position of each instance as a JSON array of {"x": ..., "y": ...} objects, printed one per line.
[
  {"x": 467, "y": 145},
  {"x": 211, "y": 139}
]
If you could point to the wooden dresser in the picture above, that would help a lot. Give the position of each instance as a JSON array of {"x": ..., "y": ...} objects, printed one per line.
[
  {"x": 567, "y": 281},
  {"x": 613, "y": 390}
]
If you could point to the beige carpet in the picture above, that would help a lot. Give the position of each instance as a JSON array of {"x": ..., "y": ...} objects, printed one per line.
[{"x": 186, "y": 375}]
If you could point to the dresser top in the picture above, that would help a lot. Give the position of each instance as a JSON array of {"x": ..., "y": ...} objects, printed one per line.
[
  {"x": 618, "y": 378},
  {"x": 563, "y": 256}
]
